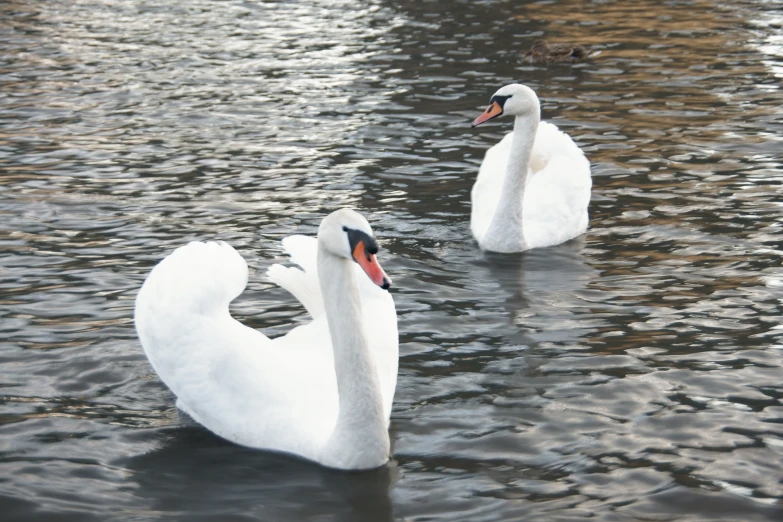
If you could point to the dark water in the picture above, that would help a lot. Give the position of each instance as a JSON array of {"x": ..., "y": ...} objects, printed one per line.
[{"x": 634, "y": 374}]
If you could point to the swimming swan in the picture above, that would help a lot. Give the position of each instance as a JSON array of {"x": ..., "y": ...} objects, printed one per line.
[
  {"x": 323, "y": 391},
  {"x": 533, "y": 187}
]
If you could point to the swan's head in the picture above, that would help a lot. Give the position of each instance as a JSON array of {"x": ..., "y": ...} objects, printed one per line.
[
  {"x": 514, "y": 99},
  {"x": 345, "y": 233}
]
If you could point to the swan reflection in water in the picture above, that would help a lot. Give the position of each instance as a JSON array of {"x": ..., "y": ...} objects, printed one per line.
[
  {"x": 542, "y": 282},
  {"x": 196, "y": 472},
  {"x": 544, "y": 289}
]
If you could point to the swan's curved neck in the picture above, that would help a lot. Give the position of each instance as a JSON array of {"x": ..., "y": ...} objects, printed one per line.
[
  {"x": 360, "y": 437},
  {"x": 506, "y": 225}
]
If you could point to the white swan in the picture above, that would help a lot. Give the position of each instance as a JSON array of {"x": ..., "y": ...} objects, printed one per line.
[
  {"x": 533, "y": 187},
  {"x": 323, "y": 391}
]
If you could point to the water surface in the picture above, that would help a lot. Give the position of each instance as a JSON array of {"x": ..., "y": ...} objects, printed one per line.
[{"x": 632, "y": 374}]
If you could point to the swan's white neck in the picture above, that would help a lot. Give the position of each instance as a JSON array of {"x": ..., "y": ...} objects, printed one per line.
[
  {"x": 360, "y": 438},
  {"x": 505, "y": 233}
]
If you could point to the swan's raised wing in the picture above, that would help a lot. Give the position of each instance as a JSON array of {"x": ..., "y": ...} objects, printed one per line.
[
  {"x": 378, "y": 312},
  {"x": 302, "y": 284},
  {"x": 230, "y": 378},
  {"x": 182, "y": 316}
]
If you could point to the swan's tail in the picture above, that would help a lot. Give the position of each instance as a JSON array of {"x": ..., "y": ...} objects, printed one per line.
[
  {"x": 198, "y": 278},
  {"x": 302, "y": 284}
]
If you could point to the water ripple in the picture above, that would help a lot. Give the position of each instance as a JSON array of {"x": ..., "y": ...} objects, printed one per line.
[{"x": 629, "y": 374}]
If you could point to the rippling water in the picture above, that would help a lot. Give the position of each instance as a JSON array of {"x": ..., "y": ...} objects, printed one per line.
[{"x": 633, "y": 374}]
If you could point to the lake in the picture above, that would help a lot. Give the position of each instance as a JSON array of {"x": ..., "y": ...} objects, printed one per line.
[{"x": 635, "y": 373}]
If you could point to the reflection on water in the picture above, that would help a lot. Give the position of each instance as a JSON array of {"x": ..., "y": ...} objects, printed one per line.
[
  {"x": 180, "y": 477},
  {"x": 633, "y": 373}
]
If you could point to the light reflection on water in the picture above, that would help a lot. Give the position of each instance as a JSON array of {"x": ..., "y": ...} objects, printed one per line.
[{"x": 632, "y": 373}]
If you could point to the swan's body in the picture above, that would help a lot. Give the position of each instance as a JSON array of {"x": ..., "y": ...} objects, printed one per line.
[
  {"x": 533, "y": 187},
  {"x": 323, "y": 391}
]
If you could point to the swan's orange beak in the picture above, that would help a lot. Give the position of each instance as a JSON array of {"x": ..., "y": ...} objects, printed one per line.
[
  {"x": 370, "y": 266},
  {"x": 492, "y": 111}
]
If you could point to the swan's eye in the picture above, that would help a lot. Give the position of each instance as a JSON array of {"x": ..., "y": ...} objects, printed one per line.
[
  {"x": 357, "y": 236},
  {"x": 500, "y": 100}
]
